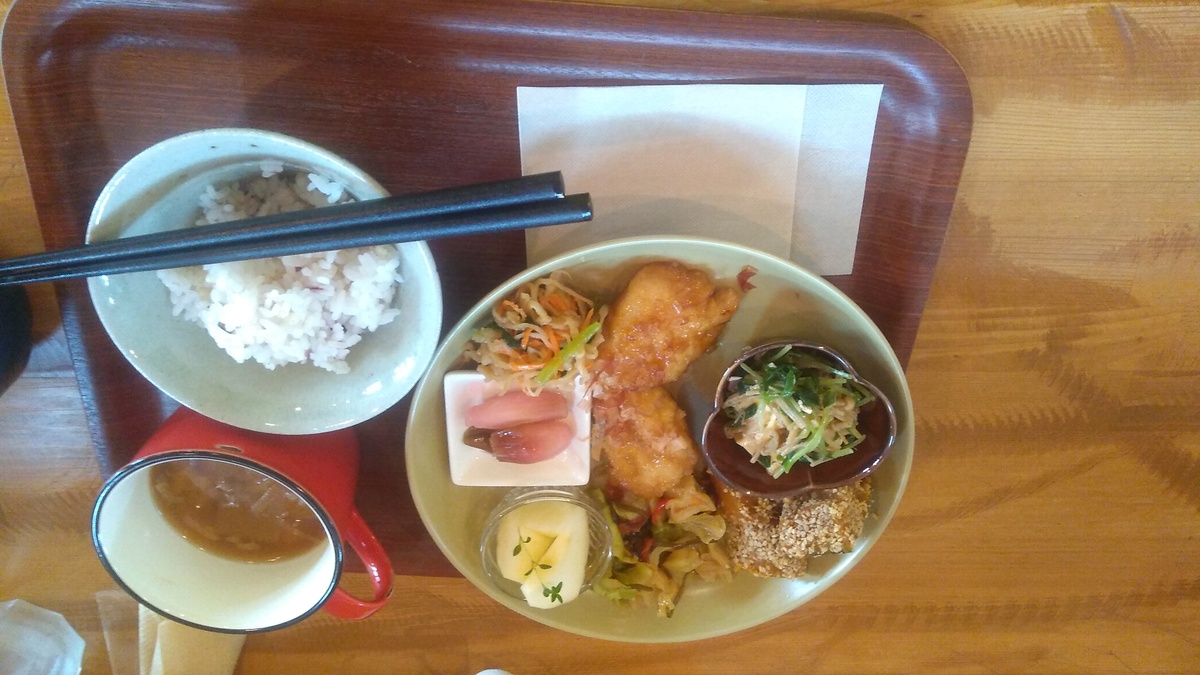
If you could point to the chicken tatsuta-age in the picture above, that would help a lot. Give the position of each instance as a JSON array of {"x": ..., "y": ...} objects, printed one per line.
[
  {"x": 667, "y": 316},
  {"x": 646, "y": 442}
]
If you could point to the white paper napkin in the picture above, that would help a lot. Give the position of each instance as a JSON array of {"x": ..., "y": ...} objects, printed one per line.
[
  {"x": 170, "y": 648},
  {"x": 839, "y": 130},
  {"x": 726, "y": 161}
]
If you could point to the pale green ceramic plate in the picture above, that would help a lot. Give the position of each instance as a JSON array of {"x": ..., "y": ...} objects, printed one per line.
[
  {"x": 159, "y": 190},
  {"x": 787, "y": 301}
]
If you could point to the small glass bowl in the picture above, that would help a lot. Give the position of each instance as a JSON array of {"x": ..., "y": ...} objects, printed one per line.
[{"x": 599, "y": 547}]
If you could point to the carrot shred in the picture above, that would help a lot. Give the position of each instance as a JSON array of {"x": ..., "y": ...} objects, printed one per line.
[
  {"x": 557, "y": 302},
  {"x": 538, "y": 332}
]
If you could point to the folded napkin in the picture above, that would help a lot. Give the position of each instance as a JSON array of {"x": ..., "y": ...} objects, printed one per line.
[
  {"x": 780, "y": 168},
  {"x": 141, "y": 642},
  {"x": 169, "y": 648}
]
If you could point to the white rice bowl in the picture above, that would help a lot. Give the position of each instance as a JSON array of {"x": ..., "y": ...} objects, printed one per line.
[
  {"x": 385, "y": 349},
  {"x": 307, "y": 308}
]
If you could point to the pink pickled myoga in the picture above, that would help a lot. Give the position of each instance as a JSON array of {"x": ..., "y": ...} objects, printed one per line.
[
  {"x": 532, "y": 442},
  {"x": 515, "y": 408}
]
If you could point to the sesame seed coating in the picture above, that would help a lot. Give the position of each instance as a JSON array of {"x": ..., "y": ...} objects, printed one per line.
[{"x": 776, "y": 537}]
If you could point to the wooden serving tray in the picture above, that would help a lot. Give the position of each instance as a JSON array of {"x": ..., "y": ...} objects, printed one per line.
[{"x": 421, "y": 95}]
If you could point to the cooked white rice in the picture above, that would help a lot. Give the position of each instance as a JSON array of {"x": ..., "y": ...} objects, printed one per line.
[{"x": 295, "y": 309}]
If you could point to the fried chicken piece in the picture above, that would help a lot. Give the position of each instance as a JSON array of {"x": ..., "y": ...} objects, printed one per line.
[
  {"x": 776, "y": 537},
  {"x": 667, "y": 316},
  {"x": 646, "y": 442}
]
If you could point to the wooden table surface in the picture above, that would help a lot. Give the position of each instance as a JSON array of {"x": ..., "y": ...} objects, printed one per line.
[{"x": 1052, "y": 519}]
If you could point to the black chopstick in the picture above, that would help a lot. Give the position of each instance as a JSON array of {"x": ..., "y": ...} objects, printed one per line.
[
  {"x": 568, "y": 209},
  {"x": 340, "y": 217}
]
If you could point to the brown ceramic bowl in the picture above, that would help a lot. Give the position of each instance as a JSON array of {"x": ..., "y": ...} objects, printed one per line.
[{"x": 730, "y": 462}]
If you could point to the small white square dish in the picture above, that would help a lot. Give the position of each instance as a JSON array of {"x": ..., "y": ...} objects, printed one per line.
[{"x": 470, "y": 466}]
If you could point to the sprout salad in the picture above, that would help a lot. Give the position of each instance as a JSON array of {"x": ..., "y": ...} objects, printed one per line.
[{"x": 789, "y": 406}]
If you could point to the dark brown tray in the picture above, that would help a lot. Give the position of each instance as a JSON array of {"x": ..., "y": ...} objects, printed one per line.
[{"x": 422, "y": 95}]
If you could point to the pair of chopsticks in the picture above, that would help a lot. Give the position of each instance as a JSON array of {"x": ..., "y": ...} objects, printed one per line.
[{"x": 529, "y": 201}]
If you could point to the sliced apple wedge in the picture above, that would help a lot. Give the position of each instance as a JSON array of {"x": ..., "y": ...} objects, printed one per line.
[
  {"x": 544, "y": 547},
  {"x": 559, "y": 573},
  {"x": 518, "y": 548}
]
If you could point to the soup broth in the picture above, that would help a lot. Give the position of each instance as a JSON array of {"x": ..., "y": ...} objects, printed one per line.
[{"x": 233, "y": 511}]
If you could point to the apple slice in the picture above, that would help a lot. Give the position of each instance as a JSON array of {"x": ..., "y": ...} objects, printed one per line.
[
  {"x": 518, "y": 548},
  {"x": 558, "y": 576},
  {"x": 544, "y": 547}
]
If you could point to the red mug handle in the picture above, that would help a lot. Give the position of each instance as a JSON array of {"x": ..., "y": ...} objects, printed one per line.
[{"x": 360, "y": 538}]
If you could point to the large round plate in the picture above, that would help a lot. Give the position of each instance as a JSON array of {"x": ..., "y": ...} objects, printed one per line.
[{"x": 787, "y": 301}]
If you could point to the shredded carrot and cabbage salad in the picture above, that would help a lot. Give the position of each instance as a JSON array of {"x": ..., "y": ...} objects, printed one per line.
[{"x": 542, "y": 334}]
